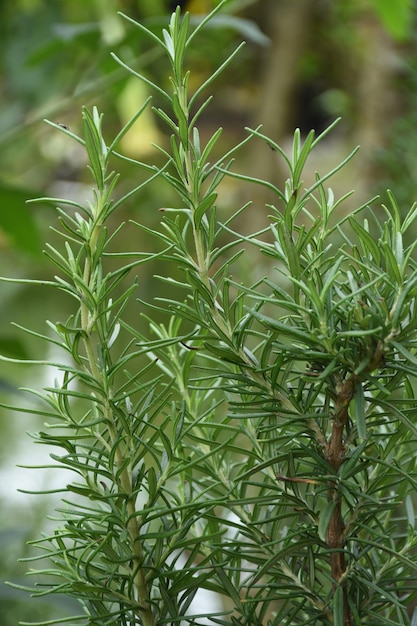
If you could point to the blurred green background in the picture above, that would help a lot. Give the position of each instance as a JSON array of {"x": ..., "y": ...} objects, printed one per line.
[{"x": 306, "y": 62}]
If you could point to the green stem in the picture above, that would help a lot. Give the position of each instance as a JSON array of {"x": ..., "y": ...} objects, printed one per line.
[{"x": 124, "y": 481}]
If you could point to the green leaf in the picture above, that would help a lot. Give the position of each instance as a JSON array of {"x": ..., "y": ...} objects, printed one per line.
[
  {"x": 287, "y": 330},
  {"x": 213, "y": 76},
  {"x": 369, "y": 245},
  {"x": 409, "y": 356},
  {"x": 290, "y": 249},
  {"x": 338, "y": 607},
  {"x": 359, "y": 410},
  {"x": 203, "y": 207},
  {"x": 224, "y": 353},
  {"x": 410, "y": 218},
  {"x": 409, "y": 507},
  {"x": 353, "y": 464},
  {"x": 95, "y": 146},
  {"x": 324, "y": 521},
  {"x": 300, "y": 156}
]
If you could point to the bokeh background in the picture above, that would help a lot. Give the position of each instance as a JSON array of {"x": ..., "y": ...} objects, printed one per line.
[{"x": 306, "y": 63}]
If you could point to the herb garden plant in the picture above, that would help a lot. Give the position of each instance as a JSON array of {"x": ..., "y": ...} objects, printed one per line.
[{"x": 254, "y": 439}]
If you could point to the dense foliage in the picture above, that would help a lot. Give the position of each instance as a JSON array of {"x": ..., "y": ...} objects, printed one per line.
[{"x": 251, "y": 437}]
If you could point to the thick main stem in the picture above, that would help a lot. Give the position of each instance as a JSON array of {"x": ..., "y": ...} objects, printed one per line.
[{"x": 335, "y": 454}]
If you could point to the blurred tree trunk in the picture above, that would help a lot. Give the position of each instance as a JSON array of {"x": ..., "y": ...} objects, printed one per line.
[
  {"x": 368, "y": 64},
  {"x": 375, "y": 98},
  {"x": 286, "y": 22}
]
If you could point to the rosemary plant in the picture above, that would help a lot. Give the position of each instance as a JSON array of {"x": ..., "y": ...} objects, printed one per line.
[{"x": 259, "y": 442}]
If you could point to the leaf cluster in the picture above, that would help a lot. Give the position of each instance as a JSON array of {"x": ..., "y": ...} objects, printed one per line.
[{"x": 259, "y": 441}]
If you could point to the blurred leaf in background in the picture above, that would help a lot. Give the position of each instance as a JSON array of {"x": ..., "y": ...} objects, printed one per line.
[
  {"x": 16, "y": 220},
  {"x": 396, "y": 16}
]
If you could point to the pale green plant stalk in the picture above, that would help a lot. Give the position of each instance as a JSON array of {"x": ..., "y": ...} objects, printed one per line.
[
  {"x": 258, "y": 441},
  {"x": 90, "y": 315}
]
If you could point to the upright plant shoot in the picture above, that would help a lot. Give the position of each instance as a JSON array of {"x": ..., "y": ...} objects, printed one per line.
[{"x": 253, "y": 438}]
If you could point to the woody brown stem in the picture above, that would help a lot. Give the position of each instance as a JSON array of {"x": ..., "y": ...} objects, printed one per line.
[{"x": 335, "y": 454}]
